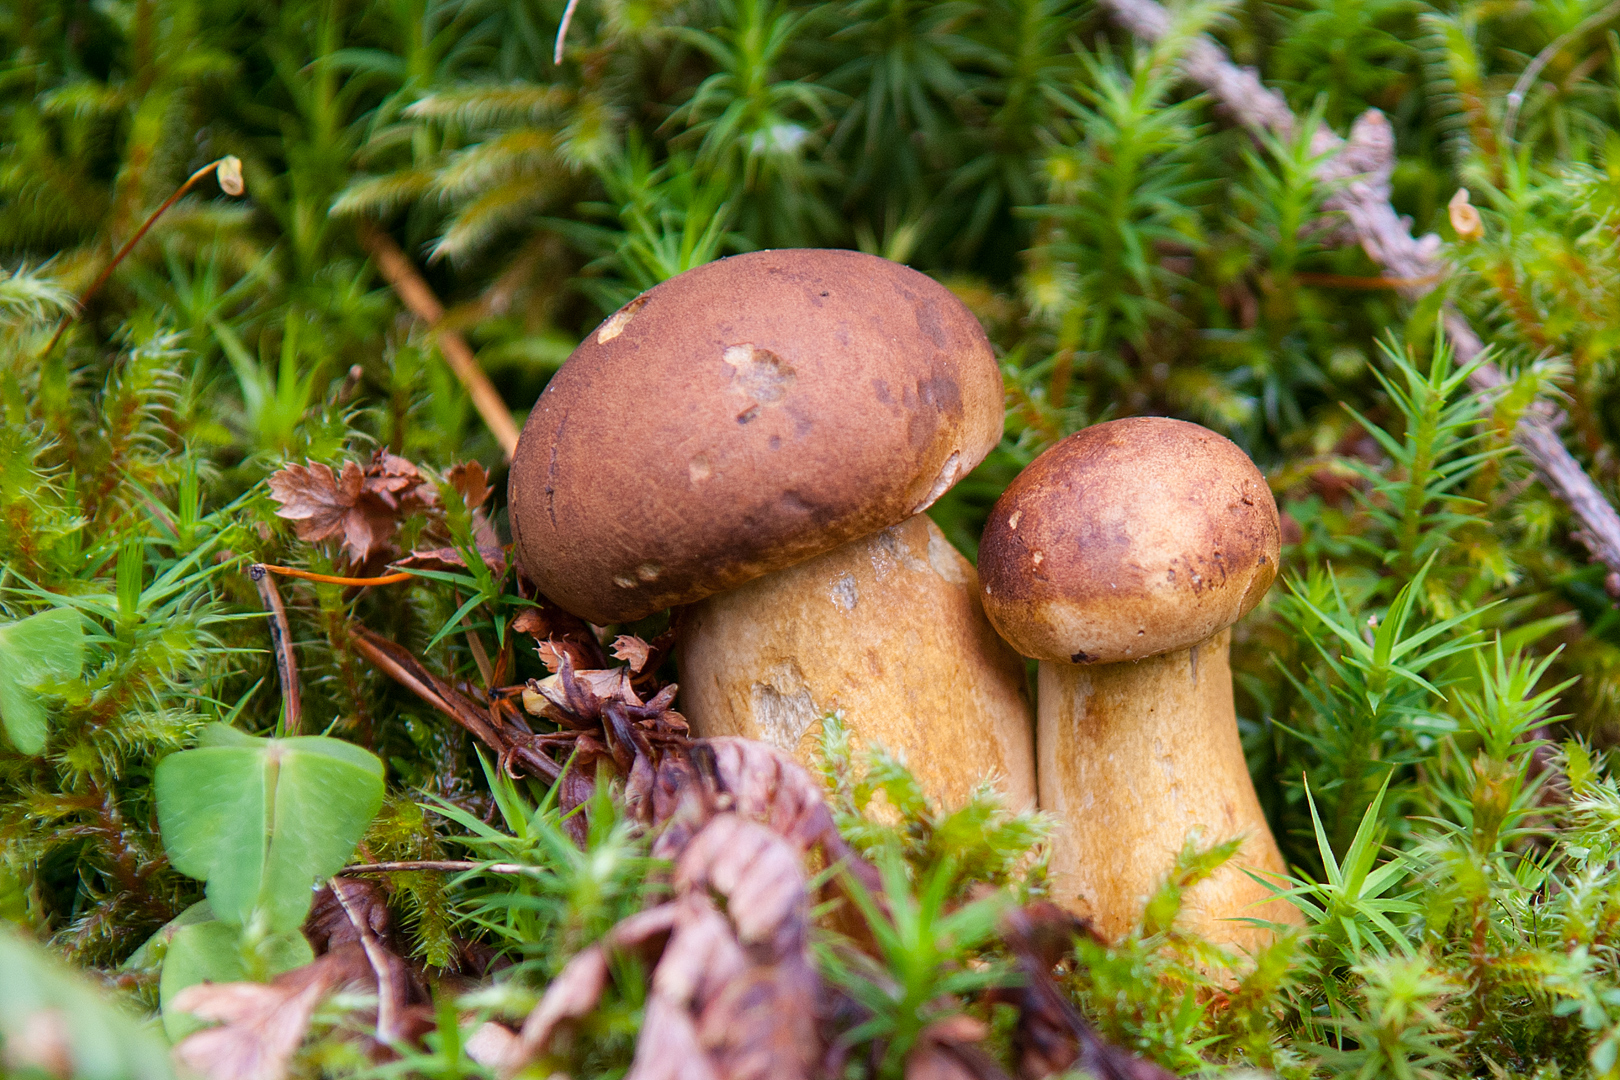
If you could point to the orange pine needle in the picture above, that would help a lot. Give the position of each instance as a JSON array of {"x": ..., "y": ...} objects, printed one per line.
[{"x": 332, "y": 579}]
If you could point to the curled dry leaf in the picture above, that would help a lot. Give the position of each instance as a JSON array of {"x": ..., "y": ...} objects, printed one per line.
[
  {"x": 578, "y": 989},
  {"x": 632, "y": 650},
  {"x": 1052, "y": 1037},
  {"x": 761, "y": 876},
  {"x": 733, "y": 992},
  {"x": 550, "y": 625},
  {"x": 365, "y": 910},
  {"x": 490, "y": 1044},
  {"x": 753, "y": 779},
  {"x": 331, "y": 923},
  {"x": 472, "y": 481}
]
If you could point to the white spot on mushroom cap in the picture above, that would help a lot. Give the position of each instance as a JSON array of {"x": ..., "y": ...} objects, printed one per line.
[
  {"x": 758, "y": 374},
  {"x": 615, "y": 324},
  {"x": 1017, "y": 516},
  {"x": 949, "y": 474}
]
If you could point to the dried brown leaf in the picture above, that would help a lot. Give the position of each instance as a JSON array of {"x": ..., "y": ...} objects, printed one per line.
[
  {"x": 43, "y": 1042},
  {"x": 946, "y": 1050},
  {"x": 668, "y": 1048},
  {"x": 361, "y": 506},
  {"x": 472, "y": 481},
  {"x": 578, "y": 989},
  {"x": 762, "y": 1024},
  {"x": 632, "y": 650},
  {"x": 329, "y": 924},
  {"x": 574, "y": 993},
  {"x": 323, "y": 506},
  {"x": 262, "y": 1024},
  {"x": 701, "y": 957},
  {"x": 546, "y": 621},
  {"x": 363, "y": 906},
  {"x": 1052, "y": 1037},
  {"x": 491, "y": 1044}
]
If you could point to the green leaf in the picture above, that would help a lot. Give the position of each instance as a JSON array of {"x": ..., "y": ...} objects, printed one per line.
[
  {"x": 49, "y": 645},
  {"x": 212, "y": 951},
  {"x": 260, "y": 820}
]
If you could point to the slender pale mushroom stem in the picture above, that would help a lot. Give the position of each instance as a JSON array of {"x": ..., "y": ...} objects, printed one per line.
[{"x": 1120, "y": 559}]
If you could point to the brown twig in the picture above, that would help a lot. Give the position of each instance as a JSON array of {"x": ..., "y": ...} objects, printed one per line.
[
  {"x": 1359, "y": 168},
  {"x": 230, "y": 181},
  {"x": 281, "y": 643},
  {"x": 449, "y": 866},
  {"x": 1346, "y": 281},
  {"x": 562, "y": 31},
  {"x": 383, "y": 965},
  {"x": 416, "y": 295},
  {"x": 399, "y": 664},
  {"x": 476, "y": 644}
]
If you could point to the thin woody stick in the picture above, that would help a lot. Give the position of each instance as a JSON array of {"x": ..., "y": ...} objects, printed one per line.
[
  {"x": 281, "y": 642},
  {"x": 416, "y": 295},
  {"x": 383, "y": 966},
  {"x": 1361, "y": 167},
  {"x": 448, "y": 866}
]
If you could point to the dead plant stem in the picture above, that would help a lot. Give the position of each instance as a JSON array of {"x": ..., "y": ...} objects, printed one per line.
[
  {"x": 418, "y": 297},
  {"x": 281, "y": 643}
]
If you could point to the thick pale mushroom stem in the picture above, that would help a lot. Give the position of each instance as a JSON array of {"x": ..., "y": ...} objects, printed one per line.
[
  {"x": 888, "y": 629},
  {"x": 1134, "y": 756}
]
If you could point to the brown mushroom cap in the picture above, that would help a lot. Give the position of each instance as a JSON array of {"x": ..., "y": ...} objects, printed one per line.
[
  {"x": 742, "y": 417},
  {"x": 1128, "y": 539}
]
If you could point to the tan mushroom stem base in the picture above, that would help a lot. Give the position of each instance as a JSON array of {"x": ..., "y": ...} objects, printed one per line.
[
  {"x": 1135, "y": 755},
  {"x": 889, "y": 630}
]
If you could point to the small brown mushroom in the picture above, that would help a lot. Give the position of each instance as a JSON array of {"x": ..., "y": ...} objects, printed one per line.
[
  {"x": 745, "y": 417},
  {"x": 1120, "y": 559}
]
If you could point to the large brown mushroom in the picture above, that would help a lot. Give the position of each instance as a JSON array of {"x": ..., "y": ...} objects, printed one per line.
[
  {"x": 1120, "y": 559},
  {"x": 742, "y": 419}
]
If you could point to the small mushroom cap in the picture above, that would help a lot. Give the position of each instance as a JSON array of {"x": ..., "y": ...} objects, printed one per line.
[
  {"x": 743, "y": 417},
  {"x": 1126, "y": 540}
]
